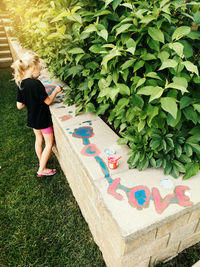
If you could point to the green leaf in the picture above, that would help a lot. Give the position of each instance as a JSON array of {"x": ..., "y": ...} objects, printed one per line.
[
  {"x": 179, "y": 83},
  {"x": 187, "y": 49},
  {"x": 90, "y": 107},
  {"x": 131, "y": 50},
  {"x": 122, "y": 103},
  {"x": 191, "y": 67},
  {"x": 153, "y": 75},
  {"x": 97, "y": 48},
  {"x": 197, "y": 18},
  {"x": 180, "y": 166},
  {"x": 130, "y": 115},
  {"x": 79, "y": 109},
  {"x": 123, "y": 89},
  {"x": 137, "y": 101},
  {"x": 102, "y": 108},
  {"x": 141, "y": 125},
  {"x": 180, "y": 32},
  {"x": 61, "y": 16},
  {"x": 163, "y": 56},
  {"x": 155, "y": 144},
  {"x": 191, "y": 170},
  {"x": 194, "y": 138},
  {"x": 148, "y": 56},
  {"x": 175, "y": 172},
  {"x": 152, "y": 112},
  {"x": 123, "y": 28},
  {"x": 167, "y": 17},
  {"x": 74, "y": 70},
  {"x": 116, "y": 3},
  {"x": 90, "y": 28},
  {"x": 170, "y": 141},
  {"x": 155, "y": 45},
  {"x": 92, "y": 65},
  {"x": 178, "y": 150},
  {"x": 159, "y": 162},
  {"x": 154, "y": 92},
  {"x": 131, "y": 45},
  {"x": 135, "y": 158},
  {"x": 194, "y": 35},
  {"x": 169, "y": 63},
  {"x": 107, "y": 2},
  {"x": 188, "y": 150},
  {"x": 195, "y": 130},
  {"x": 127, "y": 64},
  {"x": 76, "y": 50},
  {"x": 173, "y": 122},
  {"x": 113, "y": 53},
  {"x": 75, "y": 17},
  {"x": 147, "y": 19},
  {"x": 168, "y": 168},
  {"x": 102, "y": 12},
  {"x": 185, "y": 159},
  {"x": 62, "y": 29},
  {"x": 140, "y": 82},
  {"x": 196, "y": 79},
  {"x": 54, "y": 35},
  {"x": 152, "y": 162},
  {"x": 122, "y": 127},
  {"x": 177, "y": 47},
  {"x": 185, "y": 102},
  {"x": 197, "y": 107},
  {"x": 114, "y": 91},
  {"x": 163, "y": 3},
  {"x": 138, "y": 65},
  {"x": 196, "y": 147},
  {"x": 128, "y": 5},
  {"x": 156, "y": 34},
  {"x": 122, "y": 141},
  {"x": 169, "y": 105},
  {"x": 191, "y": 114},
  {"x": 103, "y": 33}
]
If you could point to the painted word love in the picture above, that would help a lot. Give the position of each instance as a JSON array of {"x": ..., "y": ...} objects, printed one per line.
[{"x": 138, "y": 196}]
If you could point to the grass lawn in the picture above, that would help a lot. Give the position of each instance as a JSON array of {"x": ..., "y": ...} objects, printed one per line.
[{"x": 40, "y": 221}]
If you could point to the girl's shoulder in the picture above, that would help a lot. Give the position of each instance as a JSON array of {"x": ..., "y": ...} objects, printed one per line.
[{"x": 31, "y": 81}]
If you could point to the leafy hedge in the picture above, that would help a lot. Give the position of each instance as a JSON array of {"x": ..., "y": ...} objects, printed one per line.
[{"x": 134, "y": 62}]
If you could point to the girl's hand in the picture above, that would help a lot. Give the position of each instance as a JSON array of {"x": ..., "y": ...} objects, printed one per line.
[{"x": 58, "y": 89}]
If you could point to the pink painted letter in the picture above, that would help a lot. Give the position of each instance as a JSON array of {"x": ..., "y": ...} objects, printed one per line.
[
  {"x": 161, "y": 204},
  {"x": 113, "y": 187},
  {"x": 183, "y": 200}
]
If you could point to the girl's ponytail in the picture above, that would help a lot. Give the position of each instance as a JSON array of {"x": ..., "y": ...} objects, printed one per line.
[{"x": 28, "y": 60}]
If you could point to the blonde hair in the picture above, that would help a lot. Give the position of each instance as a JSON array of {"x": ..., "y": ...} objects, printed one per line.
[{"x": 21, "y": 65}]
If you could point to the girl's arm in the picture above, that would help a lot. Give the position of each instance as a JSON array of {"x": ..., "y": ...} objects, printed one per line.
[
  {"x": 20, "y": 105},
  {"x": 51, "y": 97}
]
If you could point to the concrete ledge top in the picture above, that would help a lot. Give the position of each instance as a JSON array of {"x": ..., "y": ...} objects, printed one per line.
[{"x": 137, "y": 201}]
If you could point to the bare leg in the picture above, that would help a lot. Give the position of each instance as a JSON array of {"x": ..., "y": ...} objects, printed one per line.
[
  {"x": 38, "y": 143},
  {"x": 49, "y": 139}
]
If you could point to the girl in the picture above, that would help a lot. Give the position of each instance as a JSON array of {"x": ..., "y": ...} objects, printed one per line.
[{"x": 32, "y": 95}]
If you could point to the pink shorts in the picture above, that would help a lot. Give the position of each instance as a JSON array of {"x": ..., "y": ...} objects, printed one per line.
[{"x": 48, "y": 130}]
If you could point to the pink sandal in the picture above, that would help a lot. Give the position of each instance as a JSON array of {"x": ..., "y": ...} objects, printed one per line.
[{"x": 41, "y": 174}]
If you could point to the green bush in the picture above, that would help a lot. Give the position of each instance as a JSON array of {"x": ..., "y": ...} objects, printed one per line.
[{"x": 134, "y": 62}]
